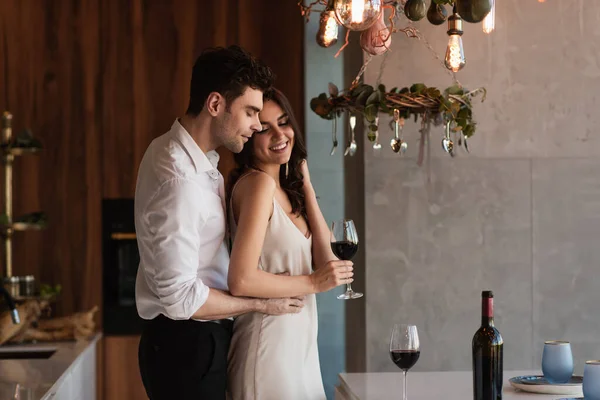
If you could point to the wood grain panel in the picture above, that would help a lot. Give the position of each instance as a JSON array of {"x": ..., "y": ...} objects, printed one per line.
[
  {"x": 49, "y": 72},
  {"x": 122, "y": 380},
  {"x": 101, "y": 363},
  {"x": 274, "y": 31},
  {"x": 92, "y": 270},
  {"x": 25, "y": 64},
  {"x": 118, "y": 136}
]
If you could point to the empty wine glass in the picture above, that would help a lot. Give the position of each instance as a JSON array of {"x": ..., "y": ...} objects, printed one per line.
[
  {"x": 344, "y": 244},
  {"x": 405, "y": 349}
]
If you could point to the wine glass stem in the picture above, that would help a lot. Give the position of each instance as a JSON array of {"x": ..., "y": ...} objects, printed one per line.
[
  {"x": 348, "y": 287},
  {"x": 404, "y": 387}
]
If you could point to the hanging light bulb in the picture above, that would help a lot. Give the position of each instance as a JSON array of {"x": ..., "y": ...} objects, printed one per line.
[
  {"x": 357, "y": 15},
  {"x": 358, "y": 8},
  {"x": 455, "y": 54},
  {"x": 489, "y": 22},
  {"x": 327, "y": 34}
]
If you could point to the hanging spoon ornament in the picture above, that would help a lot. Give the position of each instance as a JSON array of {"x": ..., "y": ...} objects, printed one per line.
[
  {"x": 334, "y": 135},
  {"x": 447, "y": 143},
  {"x": 403, "y": 144},
  {"x": 377, "y": 145},
  {"x": 395, "y": 143},
  {"x": 351, "y": 149}
]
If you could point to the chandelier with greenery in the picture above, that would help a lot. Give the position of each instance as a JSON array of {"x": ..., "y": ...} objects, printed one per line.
[{"x": 377, "y": 21}]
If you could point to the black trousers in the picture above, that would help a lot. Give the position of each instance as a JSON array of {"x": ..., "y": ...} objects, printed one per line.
[{"x": 184, "y": 359}]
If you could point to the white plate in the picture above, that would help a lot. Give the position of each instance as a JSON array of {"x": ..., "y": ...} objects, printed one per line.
[{"x": 539, "y": 384}]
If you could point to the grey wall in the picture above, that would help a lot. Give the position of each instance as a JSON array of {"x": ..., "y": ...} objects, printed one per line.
[{"x": 520, "y": 215}]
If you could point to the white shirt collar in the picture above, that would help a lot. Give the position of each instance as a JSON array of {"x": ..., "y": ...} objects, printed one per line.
[{"x": 203, "y": 162}]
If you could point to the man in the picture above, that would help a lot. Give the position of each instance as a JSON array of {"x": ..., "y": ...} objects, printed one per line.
[{"x": 180, "y": 219}]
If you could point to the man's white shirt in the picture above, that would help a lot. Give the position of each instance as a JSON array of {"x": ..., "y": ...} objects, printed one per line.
[{"x": 180, "y": 222}]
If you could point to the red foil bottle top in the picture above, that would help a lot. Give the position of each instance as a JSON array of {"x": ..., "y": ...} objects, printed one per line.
[{"x": 488, "y": 307}]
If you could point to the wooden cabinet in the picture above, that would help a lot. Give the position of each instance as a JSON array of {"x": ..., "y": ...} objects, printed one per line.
[{"x": 121, "y": 373}]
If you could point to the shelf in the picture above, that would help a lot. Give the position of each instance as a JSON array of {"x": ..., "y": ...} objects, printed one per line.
[
  {"x": 22, "y": 226},
  {"x": 23, "y": 143},
  {"x": 30, "y": 222},
  {"x": 23, "y": 299},
  {"x": 123, "y": 236},
  {"x": 26, "y": 226},
  {"x": 21, "y": 151}
]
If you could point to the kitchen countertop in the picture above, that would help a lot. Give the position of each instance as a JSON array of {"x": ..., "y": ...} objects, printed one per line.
[{"x": 32, "y": 379}]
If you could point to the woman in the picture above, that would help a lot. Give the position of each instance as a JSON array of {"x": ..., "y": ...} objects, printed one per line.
[{"x": 277, "y": 228}]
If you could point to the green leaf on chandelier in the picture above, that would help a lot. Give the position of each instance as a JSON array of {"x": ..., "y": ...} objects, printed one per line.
[
  {"x": 320, "y": 106},
  {"x": 455, "y": 90},
  {"x": 371, "y": 113},
  {"x": 464, "y": 113},
  {"x": 373, "y": 127},
  {"x": 361, "y": 87},
  {"x": 455, "y": 108},
  {"x": 469, "y": 130},
  {"x": 362, "y": 98},
  {"x": 333, "y": 90},
  {"x": 417, "y": 88},
  {"x": 374, "y": 98},
  {"x": 432, "y": 92}
]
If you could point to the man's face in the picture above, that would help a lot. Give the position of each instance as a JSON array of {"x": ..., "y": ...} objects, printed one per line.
[{"x": 237, "y": 124}]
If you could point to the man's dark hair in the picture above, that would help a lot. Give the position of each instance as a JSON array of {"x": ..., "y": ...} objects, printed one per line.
[{"x": 228, "y": 71}]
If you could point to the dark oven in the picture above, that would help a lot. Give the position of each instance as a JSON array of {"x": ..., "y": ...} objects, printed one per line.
[{"x": 120, "y": 263}]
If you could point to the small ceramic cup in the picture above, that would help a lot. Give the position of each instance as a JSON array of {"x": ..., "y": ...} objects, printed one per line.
[
  {"x": 557, "y": 361},
  {"x": 591, "y": 380}
]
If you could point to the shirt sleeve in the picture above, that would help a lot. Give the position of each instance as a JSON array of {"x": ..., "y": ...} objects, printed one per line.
[{"x": 175, "y": 220}]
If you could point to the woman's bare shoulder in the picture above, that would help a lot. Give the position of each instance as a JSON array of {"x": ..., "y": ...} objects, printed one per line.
[
  {"x": 255, "y": 183},
  {"x": 254, "y": 190}
]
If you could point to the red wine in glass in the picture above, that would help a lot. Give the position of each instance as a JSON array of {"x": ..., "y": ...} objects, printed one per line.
[
  {"x": 405, "y": 349},
  {"x": 344, "y": 244},
  {"x": 344, "y": 250},
  {"x": 405, "y": 359}
]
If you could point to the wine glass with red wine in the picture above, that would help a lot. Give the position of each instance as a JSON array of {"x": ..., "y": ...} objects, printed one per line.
[
  {"x": 404, "y": 349},
  {"x": 344, "y": 244}
]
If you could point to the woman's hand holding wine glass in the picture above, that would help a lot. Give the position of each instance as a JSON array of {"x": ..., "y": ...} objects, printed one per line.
[{"x": 331, "y": 275}]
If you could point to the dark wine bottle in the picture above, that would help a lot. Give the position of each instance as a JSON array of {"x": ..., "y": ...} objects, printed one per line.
[{"x": 487, "y": 354}]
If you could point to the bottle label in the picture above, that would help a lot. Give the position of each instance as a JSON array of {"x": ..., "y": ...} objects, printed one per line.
[{"x": 488, "y": 308}]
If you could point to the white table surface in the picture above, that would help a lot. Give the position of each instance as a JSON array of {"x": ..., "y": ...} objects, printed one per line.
[{"x": 456, "y": 385}]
